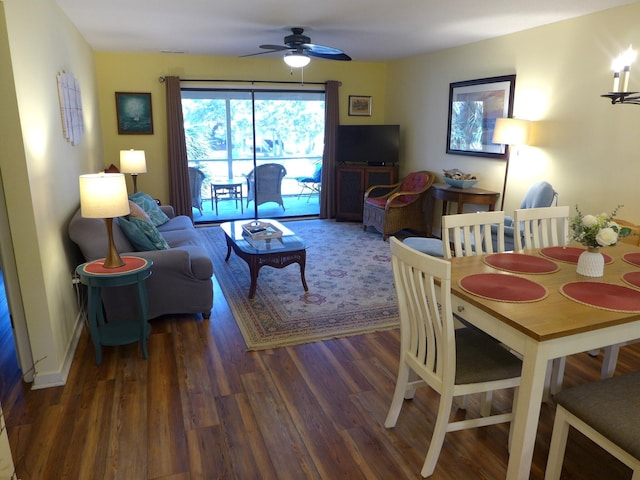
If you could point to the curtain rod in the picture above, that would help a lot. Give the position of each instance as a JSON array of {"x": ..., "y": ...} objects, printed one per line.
[{"x": 162, "y": 80}]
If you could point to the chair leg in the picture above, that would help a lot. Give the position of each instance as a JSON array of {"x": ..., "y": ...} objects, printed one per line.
[
  {"x": 610, "y": 360},
  {"x": 486, "y": 399},
  {"x": 439, "y": 432},
  {"x": 557, "y": 446},
  {"x": 398, "y": 395},
  {"x": 557, "y": 374}
]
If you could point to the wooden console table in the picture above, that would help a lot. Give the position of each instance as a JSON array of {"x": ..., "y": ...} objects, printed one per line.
[{"x": 447, "y": 193}]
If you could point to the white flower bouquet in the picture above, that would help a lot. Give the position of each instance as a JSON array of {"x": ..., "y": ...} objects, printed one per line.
[{"x": 594, "y": 231}]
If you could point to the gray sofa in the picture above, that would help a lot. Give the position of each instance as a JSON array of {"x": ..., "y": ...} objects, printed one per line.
[{"x": 180, "y": 282}]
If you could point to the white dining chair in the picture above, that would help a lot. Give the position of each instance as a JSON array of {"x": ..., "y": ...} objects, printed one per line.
[
  {"x": 544, "y": 227},
  {"x": 541, "y": 227},
  {"x": 471, "y": 234},
  {"x": 606, "y": 412},
  {"x": 453, "y": 362}
]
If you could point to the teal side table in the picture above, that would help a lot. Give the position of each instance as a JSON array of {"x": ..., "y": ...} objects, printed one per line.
[{"x": 135, "y": 271}]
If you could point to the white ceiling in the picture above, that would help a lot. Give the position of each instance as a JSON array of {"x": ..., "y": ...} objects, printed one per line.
[{"x": 367, "y": 30}]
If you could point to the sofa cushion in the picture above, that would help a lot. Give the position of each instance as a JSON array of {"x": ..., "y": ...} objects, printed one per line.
[
  {"x": 137, "y": 212},
  {"x": 142, "y": 234},
  {"x": 149, "y": 205}
]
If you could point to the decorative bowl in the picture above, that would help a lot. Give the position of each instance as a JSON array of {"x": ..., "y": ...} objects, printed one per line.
[{"x": 454, "y": 182}]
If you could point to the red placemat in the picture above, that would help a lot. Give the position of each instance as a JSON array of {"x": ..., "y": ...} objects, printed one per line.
[
  {"x": 632, "y": 258},
  {"x": 632, "y": 278},
  {"x": 520, "y": 263},
  {"x": 131, "y": 264},
  {"x": 501, "y": 287},
  {"x": 568, "y": 254},
  {"x": 606, "y": 296}
]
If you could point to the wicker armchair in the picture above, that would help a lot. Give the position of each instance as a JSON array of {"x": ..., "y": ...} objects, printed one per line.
[
  {"x": 196, "y": 177},
  {"x": 401, "y": 208},
  {"x": 264, "y": 184}
]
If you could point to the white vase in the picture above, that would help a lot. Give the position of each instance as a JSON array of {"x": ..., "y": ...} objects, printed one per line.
[{"x": 591, "y": 263}]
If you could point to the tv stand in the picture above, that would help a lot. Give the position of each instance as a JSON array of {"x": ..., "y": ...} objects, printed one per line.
[{"x": 351, "y": 183}]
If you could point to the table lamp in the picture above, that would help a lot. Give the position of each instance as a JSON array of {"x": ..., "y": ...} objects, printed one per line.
[
  {"x": 133, "y": 162},
  {"x": 510, "y": 131},
  {"x": 104, "y": 195}
]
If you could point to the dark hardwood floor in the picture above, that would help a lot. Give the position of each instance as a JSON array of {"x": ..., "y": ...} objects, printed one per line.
[{"x": 201, "y": 407}]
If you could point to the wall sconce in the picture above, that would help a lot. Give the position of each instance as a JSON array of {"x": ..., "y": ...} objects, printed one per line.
[
  {"x": 510, "y": 132},
  {"x": 297, "y": 59},
  {"x": 622, "y": 65},
  {"x": 133, "y": 162},
  {"x": 104, "y": 195}
]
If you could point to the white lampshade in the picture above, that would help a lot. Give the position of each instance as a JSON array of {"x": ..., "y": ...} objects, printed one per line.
[
  {"x": 132, "y": 161},
  {"x": 103, "y": 195},
  {"x": 511, "y": 131},
  {"x": 296, "y": 59}
]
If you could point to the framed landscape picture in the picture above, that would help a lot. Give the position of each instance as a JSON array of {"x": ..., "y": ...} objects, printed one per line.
[
  {"x": 474, "y": 106},
  {"x": 134, "y": 113},
  {"x": 359, "y": 105}
]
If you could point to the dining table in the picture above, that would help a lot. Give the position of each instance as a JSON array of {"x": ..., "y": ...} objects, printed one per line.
[{"x": 535, "y": 303}]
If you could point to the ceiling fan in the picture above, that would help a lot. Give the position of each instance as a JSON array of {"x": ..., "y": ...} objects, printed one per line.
[{"x": 299, "y": 48}]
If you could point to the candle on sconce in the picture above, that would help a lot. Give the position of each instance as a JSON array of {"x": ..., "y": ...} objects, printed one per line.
[
  {"x": 627, "y": 58},
  {"x": 617, "y": 66}
]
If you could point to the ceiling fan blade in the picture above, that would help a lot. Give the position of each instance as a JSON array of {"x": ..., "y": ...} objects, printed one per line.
[
  {"x": 275, "y": 47},
  {"x": 257, "y": 53},
  {"x": 328, "y": 56},
  {"x": 322, "y": 49}
]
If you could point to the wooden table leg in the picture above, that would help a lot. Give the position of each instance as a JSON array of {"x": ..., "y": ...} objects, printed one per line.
[{"x": 303, "y": 263}]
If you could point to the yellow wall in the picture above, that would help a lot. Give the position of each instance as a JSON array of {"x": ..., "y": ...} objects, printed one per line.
[
  {"x": 139, "y": 73},
  {"x": 40, "y": 170},
  {"x": 586, "y": 147}
]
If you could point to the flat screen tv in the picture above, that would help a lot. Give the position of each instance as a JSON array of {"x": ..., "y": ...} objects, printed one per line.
[{"x": 370, "y": 144}]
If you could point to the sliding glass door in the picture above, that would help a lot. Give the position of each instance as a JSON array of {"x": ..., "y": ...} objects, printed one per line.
[{"x": 254, "y": 148}]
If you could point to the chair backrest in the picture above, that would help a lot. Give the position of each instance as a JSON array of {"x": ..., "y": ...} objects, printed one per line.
[
  {"x": 415, "y": 182},
  {"x": 540, "y": 194},
  {"x": 268, "y": 177},
  {"x": 426, "y": 319},
  {"x": 542, "y": 227},
  {"x": 196, "y": 177},
  {"x": 317, "y": 173},
  {"x": 470, "y": 233}
]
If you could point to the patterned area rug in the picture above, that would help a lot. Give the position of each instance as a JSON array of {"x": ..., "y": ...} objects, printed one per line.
[{"x": 350, "y": 284}]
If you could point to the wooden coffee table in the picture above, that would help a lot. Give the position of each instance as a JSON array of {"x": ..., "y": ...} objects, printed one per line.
[{"x": 276, "y": 253}]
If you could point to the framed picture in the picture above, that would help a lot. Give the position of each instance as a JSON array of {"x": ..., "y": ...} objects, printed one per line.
[
  {"x": 359, "y": 106},
  {"x": 134, "y": 113},
  {"x": 474, "y": 106}
]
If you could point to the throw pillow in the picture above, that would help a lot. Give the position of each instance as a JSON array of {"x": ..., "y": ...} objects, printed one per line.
[
  {"x": 142, "y": 234},
  {"x": 149, "y": 205},
  {"x": 138, "y": 212}
]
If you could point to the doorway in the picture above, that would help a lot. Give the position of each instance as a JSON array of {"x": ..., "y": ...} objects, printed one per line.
[{"x": 232, "y": 133}]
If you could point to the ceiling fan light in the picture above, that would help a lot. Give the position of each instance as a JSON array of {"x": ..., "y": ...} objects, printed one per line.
[{"x": 296, "y": 59}]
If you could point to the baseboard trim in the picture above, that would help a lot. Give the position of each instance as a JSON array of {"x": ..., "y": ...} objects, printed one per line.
[{"x": 59, "y": 378}]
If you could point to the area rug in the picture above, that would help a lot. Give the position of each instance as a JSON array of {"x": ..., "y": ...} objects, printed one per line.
[{"x": 350, "y": 282}]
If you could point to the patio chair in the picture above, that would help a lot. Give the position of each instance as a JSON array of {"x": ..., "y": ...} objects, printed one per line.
[
  {"x": 402, "y": 207},
  {"x": 606, "y": 412},
  {"x": 312, "y": 183},
  {"x": 264, "y": 184},
  {"x": 453, "y": 362},
  {"x": 196, "y": 177}
]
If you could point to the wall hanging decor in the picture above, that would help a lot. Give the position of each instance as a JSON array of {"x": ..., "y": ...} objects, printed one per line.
[
  {"x": 134, "y": 113},
  {"x": 474, "y": 107},
  {"x": 70, "y": 107},
  {"x": 359, "y": 105}
]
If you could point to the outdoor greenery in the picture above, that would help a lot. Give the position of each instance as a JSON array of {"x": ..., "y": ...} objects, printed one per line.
[{"x": 222, "y": 128}]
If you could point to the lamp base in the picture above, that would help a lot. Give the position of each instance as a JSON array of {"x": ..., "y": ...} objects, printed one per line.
[{"x": 112, "y": 260}]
